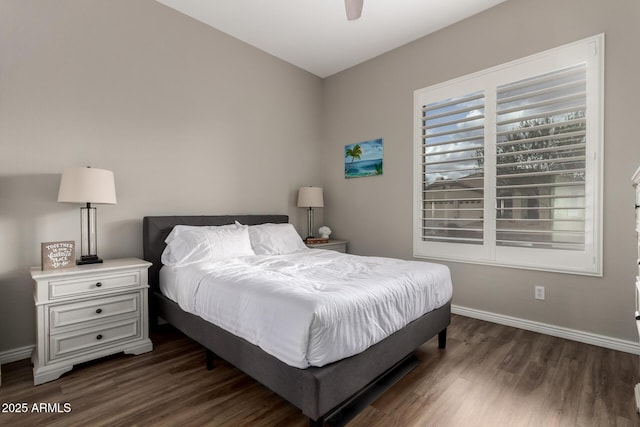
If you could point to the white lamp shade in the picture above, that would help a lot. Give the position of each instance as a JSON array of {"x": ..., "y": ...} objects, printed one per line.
[
  {"x": 354, "y": 9},
  {"x": 310, "y": 197},
  {"x": 87, "y": 185}
]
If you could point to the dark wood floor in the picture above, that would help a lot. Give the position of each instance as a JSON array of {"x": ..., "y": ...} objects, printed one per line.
[{"x": 489, "y": 375}]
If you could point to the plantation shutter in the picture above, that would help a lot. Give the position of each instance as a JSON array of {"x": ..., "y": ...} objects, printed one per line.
[
  {"x": 540, "y": 161},
  {"x": 508, "y": 163},
  {"x": 452, "y": 164}
]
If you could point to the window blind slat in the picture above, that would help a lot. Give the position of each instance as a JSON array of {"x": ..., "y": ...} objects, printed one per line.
[
  {"x": 551, "y": 184},
  {"x": 450, "y": 219},
  {"x": 477, "y": 96},
  {"x": 545, "y": 173},
  {"x": 451, "y": 239},
  {"x": 540, "y": 197},
  {"x": 573, "y": 73},
  {"x": 576, "y": 147},
  {"x": 539, "y": 232},
  {"x": 458, "y": 122},
  {"x": 540, "y": 208},
  {"x": 554, "y": 160},
  {"x": 454, "y": 112},
  {"x": 454, "y": 189},
  {"x": 550, "y": 245},
  {"x": 538, "y": 115},
  {"x": 475, "y": 169},
  {"x": 453, "y": 209},
  {"x": 452, "y": 141},
  {"x": 546, "y": 106},
  {"x": 444, "y": 162},
  {"x": 543, "y": 127},
  {"x": 456, "y": 130},
  {"x": 479, "y": 199},
  {"x": 559, "y": 87},
  {"x": 557, "y": 137},
  {"x": 457, "y": 229},
  {"x": 459, "y": 150},
  {"x": 536, "y": 220}
]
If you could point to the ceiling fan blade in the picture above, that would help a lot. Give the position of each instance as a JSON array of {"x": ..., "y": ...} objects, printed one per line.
[{"x": 354, "y": 9}]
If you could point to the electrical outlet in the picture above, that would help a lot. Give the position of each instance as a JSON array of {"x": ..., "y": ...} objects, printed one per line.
[{"x": 539, "y": 292}]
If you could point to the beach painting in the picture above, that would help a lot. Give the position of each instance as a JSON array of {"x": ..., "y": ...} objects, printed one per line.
[{"x": 363, "y": 159}]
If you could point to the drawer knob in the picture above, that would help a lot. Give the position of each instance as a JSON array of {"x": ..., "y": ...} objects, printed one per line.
[
  {"x": 99, "y": 311},
  {"x": 98, "y": 284},
  {"x": 99, "y": 337}
]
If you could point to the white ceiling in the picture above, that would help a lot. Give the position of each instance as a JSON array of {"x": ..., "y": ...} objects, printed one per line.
[{"x": 316, "y": 36}]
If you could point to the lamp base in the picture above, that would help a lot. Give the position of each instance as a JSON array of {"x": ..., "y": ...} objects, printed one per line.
[{"x": 89, "y": 259}]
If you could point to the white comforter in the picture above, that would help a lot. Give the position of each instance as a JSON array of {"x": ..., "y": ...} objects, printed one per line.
[{"x": 312, "y": 307}]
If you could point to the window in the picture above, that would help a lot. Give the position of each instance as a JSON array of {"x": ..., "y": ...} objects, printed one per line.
[{"x": 509, "y": 163}]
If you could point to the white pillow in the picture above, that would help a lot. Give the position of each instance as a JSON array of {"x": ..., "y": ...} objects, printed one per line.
[
  {"x": 275, "y": 239},
  {"x": 181, "y": 228},
  {"x": 199, "y": 244}
]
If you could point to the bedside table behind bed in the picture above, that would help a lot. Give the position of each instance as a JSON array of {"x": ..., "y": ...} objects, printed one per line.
[{"x": 333, "y": 245}]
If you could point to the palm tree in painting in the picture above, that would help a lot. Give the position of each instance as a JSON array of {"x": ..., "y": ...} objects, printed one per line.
[
  {"x": 355, "y": 153},
  {"x": 379, "y": 169}
]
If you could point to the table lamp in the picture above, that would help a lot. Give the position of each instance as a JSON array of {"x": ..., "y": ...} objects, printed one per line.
[
  {"x": 310, "y": 197},
  {"x": 87, "y": 185}
]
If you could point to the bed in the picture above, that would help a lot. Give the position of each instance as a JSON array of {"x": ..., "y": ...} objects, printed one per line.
[{"x": 320, "y": 393}]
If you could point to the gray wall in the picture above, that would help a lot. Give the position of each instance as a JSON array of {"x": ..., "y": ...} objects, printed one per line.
[
  {"x": 375, "y": 99},
  {"x": 190, "y": 120},
  {"x": 193, "y": 121}
]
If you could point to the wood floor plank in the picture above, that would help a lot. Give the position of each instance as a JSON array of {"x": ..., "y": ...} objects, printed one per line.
[{"x": 489, "y": 375}]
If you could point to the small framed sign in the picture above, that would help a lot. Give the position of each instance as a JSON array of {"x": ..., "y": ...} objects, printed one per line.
[{"x": 57, "y": 255}]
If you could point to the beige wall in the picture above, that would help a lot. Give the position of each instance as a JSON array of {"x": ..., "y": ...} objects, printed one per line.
[
  {"x": 375, "y": 99},
  {"x": 190, "y": 120}
]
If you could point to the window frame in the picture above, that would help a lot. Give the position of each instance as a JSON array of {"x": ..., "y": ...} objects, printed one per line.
[{"x": 587, "y": 262}]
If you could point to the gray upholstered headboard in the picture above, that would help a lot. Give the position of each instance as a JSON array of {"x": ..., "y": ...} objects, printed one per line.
[{"x": 155, "y": 230}]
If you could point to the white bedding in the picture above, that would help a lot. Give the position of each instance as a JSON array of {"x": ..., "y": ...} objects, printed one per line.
[{"x": 312, "y": 307}]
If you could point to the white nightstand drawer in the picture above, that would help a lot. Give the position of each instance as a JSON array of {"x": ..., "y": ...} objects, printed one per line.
[
  {"x": 97, "y": 309},
  {"x": 89, "y": 339},
  {"x": 96, "y": 283}
]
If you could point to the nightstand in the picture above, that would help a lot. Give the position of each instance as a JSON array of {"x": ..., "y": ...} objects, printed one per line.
[
  {"x": 333, "y": 245},
  {"x": 89, "y": 311}
]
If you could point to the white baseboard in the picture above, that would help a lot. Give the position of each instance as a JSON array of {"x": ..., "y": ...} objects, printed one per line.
[
  {"x": 15, "y": 354},
  {"x": 632, "y": 347}
]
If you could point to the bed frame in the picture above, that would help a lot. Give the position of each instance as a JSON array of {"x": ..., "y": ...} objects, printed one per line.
[{"x": 322, "y": 394}]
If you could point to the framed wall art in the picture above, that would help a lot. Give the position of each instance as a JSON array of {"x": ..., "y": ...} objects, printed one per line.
[{"x": 363, "y": 159}]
